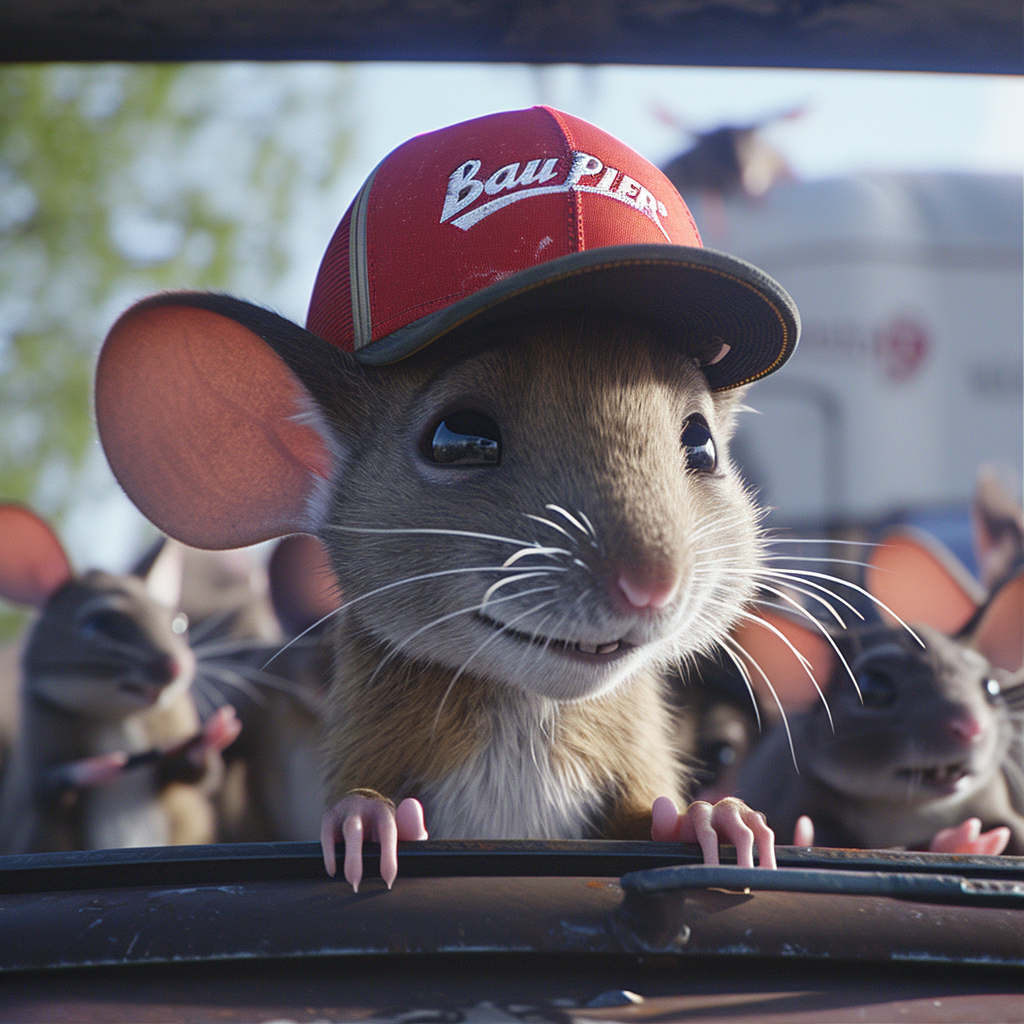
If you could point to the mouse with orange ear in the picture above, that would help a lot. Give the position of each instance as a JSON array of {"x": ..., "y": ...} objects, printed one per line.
[
  {"x": 917, "y": 741},
  {"x": 110, "y": 751},
  {"x": 507, "y": 420}
]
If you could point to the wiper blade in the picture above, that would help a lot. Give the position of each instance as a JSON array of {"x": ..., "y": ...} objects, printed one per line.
[{"x": 915, "y": 886}]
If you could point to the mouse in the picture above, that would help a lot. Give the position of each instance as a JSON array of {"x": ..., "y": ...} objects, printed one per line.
[
  {"x": 276, "y": 680},
  {"x": 110, "y": 750},
  {"x": 514, "y": 449},
  {"x": 917, "y": 741},
  {"x": 245, "y": 612}
]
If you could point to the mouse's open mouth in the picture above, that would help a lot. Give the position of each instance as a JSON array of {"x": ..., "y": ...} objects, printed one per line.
[
  {"x": 589, "y": 650},
  {"x": 941, "y": 778}
]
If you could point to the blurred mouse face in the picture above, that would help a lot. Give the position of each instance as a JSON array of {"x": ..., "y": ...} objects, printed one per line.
[
  {"x": 931, "y": 725},
  {"x": 104, "y": 649},
  {"x": 553, "y": 511}
]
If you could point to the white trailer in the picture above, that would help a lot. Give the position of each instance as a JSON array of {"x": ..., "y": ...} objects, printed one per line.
[{"x": 910, "y": 367}]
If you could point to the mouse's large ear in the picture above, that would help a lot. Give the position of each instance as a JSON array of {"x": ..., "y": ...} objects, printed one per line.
[
  {"x": 768, "y": 653},
  {"x": 922, "y": 581},
  {"x": 33, "y": 565},
  {"x": 999, "y": 633},
  {"x": 166, "y": 574},
  {"x": 206, "y": 423}
]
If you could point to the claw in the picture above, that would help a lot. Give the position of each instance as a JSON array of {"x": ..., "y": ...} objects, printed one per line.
[
  {"x": 356, "y": 817},
  {"x": 729, "y": 819},
  {"x": 968, "y": 838}
]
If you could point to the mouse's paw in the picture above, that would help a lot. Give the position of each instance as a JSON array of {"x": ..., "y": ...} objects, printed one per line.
[
  {"x": 967, "y": 837},
  {"x": 730, "y": 820},
  {"x": 94, "y": 771},
  {"x": 366, "y": 814},
  {"x": 220, "y": 731},
  {"x": 803, "y": 831}
]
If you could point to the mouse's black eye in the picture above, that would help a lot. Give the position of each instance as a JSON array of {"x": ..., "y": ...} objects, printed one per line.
[
  {"x": 876, "y": 689},
  {"x": 464, "y": 439},
  {"x": 699, "y": 445},
  {"x": 107, "y": 624},
  {"x": 992, "y": 688}
]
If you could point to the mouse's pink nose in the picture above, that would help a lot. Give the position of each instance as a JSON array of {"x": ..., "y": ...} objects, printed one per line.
[
  {"x": 651, "y": 588},
  {"x": 964, "y": 727}
]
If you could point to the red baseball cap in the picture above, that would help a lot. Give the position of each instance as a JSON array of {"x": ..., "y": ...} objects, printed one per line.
[{"x": 535, "y": 211}]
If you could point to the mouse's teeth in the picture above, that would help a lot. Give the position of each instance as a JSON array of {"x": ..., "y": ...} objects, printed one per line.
[{"x": 588, "y": 648}]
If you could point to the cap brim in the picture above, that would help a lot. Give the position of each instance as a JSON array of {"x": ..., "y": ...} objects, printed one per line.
[{"x": 701, "y": 297}]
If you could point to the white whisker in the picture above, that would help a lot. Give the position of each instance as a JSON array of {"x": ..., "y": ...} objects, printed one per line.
[
  {"x": 745, "y": 675},
  {"x": 345, "y": 605},
  {"x": 531, "y": 550},
  {"x": 554, "y": 526},
  {"x": 782, "y": 711},
  {"x": 233, "y": 679},
  {"x": 562, "y": 512},
  {"x": 433, "y": 532},
  {"x": 445, "y": 618},
  {"x": 805, "y": 664},
  {"x": 513, "y": 579},
  {"x": 589, "y": 524},
  {"x": 480, "y": 647},
  {"x": 825, "y": 633},
  {"x": 860, "y": 590},
  {"x": 801, "y": 587}
]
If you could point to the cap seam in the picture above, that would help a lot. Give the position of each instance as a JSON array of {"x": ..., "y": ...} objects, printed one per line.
[
  {"x": 576, "y": 272},
  {"x": 574, "y": 225},
  {"x": 359, "y": 265}
]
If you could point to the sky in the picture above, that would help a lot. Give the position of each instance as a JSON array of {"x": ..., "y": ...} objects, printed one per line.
[{"x": 852, "y": 121}]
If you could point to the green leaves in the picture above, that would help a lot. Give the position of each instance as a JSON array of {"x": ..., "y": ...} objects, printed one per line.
[{"x": 117, "y": 181}]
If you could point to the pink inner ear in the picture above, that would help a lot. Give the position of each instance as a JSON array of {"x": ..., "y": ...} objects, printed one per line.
[
  {"x": 1000, "y": 633},
  {"x": 922, "y": 582},
  {"x": 206, "y": 428},
  {"x": 33, "y": 565},
  {"x": 788, "y": 677}
]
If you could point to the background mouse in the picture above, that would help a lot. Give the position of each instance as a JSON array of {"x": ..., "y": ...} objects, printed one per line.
[
  {"x": 110, "y": 751},
  {"x": 720, "y": 724},
  {"x": 276, "y": 680},
  {"x": 934, "y": 738},
  {"x": 245, "y": 620},
  {"x": 525, "y": 492}
]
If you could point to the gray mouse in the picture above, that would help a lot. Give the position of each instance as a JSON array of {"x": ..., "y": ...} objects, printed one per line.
[
  {"x": 110, "y": 750},
  {"x": 923, "y": 739},
  {"x": 244, "y": 624},
  {"x": 515, "y": 450}
]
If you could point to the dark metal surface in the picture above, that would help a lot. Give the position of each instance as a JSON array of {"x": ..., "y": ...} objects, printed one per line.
[
  {"x": 273, "y": 920},
  {"x": 236, "y": 863},
  {"x": 514, "y": 989},
  {"x": 149, "y": 907},
  {"x": 983, "y": 36}
]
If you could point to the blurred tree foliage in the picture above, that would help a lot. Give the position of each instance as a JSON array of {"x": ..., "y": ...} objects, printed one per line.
[{"x": 116, "y": 181}]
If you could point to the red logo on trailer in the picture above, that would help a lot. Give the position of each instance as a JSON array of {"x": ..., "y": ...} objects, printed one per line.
[{"x": 902, "y": 347}]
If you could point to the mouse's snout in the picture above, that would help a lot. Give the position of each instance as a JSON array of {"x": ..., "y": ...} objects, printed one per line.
[
  {"x": 964, "y": 727},
  {"x": 650, "y": 586}
]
